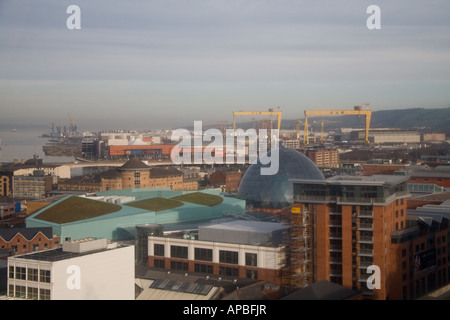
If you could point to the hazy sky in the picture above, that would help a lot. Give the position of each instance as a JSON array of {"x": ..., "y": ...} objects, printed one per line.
[{"x": 165, "y": 63}]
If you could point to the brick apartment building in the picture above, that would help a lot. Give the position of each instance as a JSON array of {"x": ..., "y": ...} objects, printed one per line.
[
  {"x": 354, "y": 218},
  {"x": 323, "y": 157},
  {"x": 135, "y": 174},
  {"x": 229, "y": 179},
  {"x": 27, "y": 240}
]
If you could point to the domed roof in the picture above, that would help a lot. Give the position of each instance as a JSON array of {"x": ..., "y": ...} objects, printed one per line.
[{"x": 276, "y": 191}]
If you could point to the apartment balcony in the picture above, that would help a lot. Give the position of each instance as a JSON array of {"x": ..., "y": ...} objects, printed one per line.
[
  {"x": 336, "y": 273},
  {"x": 335, "y": 247},
  {"x": 365, "y": 227},
  {"x": 314, "y": 199},
  {"x": 364, "y": 264},
  {"x": 335, "y": 223},
  {"x": 365, "y": 214},
  {"x": 335, "y": 261},
  {"x": 365, "y": 239},
  {"x": 335, "y": 235},
  {"x": 363, "y": 277},
  {"x": 365, "y": 252}
]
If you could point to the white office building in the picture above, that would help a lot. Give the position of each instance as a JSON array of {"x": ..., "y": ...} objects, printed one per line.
[{"x": 88, "y": 269}]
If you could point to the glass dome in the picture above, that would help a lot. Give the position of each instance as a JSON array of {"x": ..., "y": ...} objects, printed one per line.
[{"x": 276, "y": 191}]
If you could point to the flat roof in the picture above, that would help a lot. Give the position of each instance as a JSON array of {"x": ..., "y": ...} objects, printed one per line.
[
  {"x": 246, "y": 225},
  {"x": 59, "y": 254},
  {"x": 376, "y": 180}
]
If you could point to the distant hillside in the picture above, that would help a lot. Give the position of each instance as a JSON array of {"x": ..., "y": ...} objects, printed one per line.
[
  {"x": 432, "y": 120},
  {"x": 424, "y": 119}
]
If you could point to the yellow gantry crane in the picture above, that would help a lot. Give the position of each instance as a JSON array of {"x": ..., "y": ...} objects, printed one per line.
[
  {"x": 246, "y": 113},
  {"x": 358, "y": 111}
]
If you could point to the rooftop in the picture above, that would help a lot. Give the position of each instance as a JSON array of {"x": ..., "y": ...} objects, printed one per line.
[
  {"x": 374, "y": 180},
  {"x": 247, "y": 226},
  {"x": 76, "y": 208},
  {"x": 59, "y": 254},
  {"x": 27, "y": 233},
  {"x": 200, "y": 198},
  {"x": 322, "y": 290},
  {"x": 134, "y": 164},
  {"x": 156, "y": 204}
]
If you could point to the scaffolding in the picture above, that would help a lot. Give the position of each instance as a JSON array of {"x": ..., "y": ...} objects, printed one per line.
[{"x": 297, "y": 270}]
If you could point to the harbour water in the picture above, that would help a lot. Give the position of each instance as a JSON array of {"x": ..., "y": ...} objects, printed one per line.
[{"x": 24, "y": 143}]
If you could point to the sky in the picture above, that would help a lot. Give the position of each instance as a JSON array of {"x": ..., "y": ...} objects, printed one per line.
[{"x": 155, "y": 64}]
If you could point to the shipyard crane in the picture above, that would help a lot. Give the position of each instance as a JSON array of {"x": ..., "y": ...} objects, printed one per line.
[
  {"x": 247, "y": 113},
  {"x": 358, "y": 111}
]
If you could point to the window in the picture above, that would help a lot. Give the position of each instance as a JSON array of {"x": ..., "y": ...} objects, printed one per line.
[
  {"x": 179, "y": 265},
  {"x": 11, "y": 290},
  {"x": 227, "y": 271},
  {"x": 158, "y": 250},
  {"x": 20, "y": 292},
  {"x": 21, "y": 273},
  {"x": 44, "y": 294},
  {"x": 404, "y": 253},
  {"x": 203, "y": 268},
  {"x": 203, "y": 254},
  {"x": 32, "y": 293},
  {"x": 159, "y": 263},
  {"x": 251, "y": 259},
  {"x": 32, "y": 275},
  {"x": 11, "y": 272},
  {"x": 44, "y": 276},
  {"x": 251, "y": 274},
  {"x": 228, "y": 257},
  {"x": 179, "y": 252}
]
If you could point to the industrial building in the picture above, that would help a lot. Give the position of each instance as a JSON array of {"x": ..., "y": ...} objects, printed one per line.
[
  {"x": 79, "y": 270},
  {"x": 115, "y": 214},
  {"x": 380, "y": 136},
  {"x": 238, "y": 248}
]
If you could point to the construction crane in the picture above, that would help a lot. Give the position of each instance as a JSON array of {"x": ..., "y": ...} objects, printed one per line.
[
  {"x": 247, "y": 113},
  {"x": 358, "y": 111}
]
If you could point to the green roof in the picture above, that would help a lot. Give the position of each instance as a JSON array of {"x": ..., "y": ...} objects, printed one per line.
[
  {"x": 200, "y": 198},
  {"x": 155, "y": 204},
  {"x": 75, "y": 209}
]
